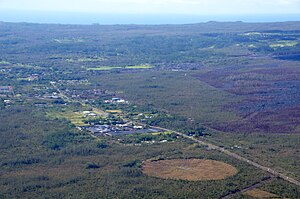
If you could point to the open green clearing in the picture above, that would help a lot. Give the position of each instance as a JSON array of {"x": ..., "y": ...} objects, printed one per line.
[
  {"x": 76, "y": 118},
  {"x": 121, "y": 67},
  {"x": 93, "y": 59},
  {"x": 175, "y": 92},
  {"x": 282, "y": 44}
]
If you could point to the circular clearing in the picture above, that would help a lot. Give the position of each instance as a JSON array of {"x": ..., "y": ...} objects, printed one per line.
[{"x": 189, "y": 169}]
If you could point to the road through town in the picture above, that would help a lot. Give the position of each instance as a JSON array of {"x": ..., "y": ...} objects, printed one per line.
[{"x": 207, "y": 144}]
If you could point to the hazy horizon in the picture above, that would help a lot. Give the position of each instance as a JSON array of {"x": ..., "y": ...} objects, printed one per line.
[
  {"x": 147, "y": 19},
  {"x": 148, "y": 11}
]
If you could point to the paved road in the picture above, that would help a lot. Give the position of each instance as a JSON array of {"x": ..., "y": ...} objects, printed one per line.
[
  {"x": 61, "y": 94},
  {"x": 234, "y": 155},
  {"x": 209, "y": 145},
  {"x": 68, "y": 99}
]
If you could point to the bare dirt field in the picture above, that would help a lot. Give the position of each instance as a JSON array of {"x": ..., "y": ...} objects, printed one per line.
[{"x": 189, "y": 169}]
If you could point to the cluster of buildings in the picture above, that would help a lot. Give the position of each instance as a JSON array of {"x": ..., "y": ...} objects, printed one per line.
[
  {"x": 30, "y": 78},
  {"x": 118, "y": 129},
  {"x": 53, "y": 95},
  {"x": 86, "y": 94},
  {"x": 33, "y": 77},
  {"x": 89, "y": 114},
  {"x": 5, "y": 92},
  {"x": 74, "y": 81},
  {"x": 6, "y": 103},
  {"x": 116, "y": 100}
]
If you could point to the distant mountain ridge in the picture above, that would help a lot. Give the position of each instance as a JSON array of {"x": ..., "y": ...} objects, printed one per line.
[{"x": 212, "y": 26}]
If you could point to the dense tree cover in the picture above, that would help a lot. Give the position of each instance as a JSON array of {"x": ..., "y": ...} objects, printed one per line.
[
  {"x": 87, "y": 46},
  {"x": 280, "y": 186},
  {"x": 148, "y": 138},
  {"x": 43, "y": 156},
  {"x": 1, "y": 103},
  {"x": 87, "y": 168},
  {"x": 84, "y": 167},
  {"x": 61, "y": 138}
]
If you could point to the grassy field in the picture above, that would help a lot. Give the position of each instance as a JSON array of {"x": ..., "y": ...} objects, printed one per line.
[
  {"x": 85, "y": 59},
  {"x": 192, "y": 98},
  {"x": 260, "y": 194},
  {"x": 282, "y": 44},
  {"x": 99, "y": 112},
  {"x": 114, "y": 111},
  {"x": 75, "y": 118},
  {"x": 189, "y": 169},
  {"x": 69, "y": 40},
  {"x": 104, "y": 68},
  {"x": 4, "y": 63}
]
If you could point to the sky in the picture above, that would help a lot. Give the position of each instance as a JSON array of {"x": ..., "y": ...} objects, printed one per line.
[
  {"x": 191, "y": 7},
  {"x": 148, "y": 11}
]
